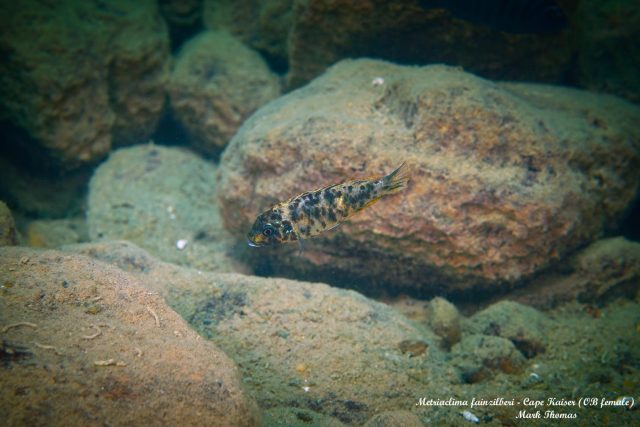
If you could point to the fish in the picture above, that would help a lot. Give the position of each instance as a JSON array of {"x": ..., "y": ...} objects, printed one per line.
[
  {"x": 511, "y": 16},
  {"x": 315, "y": 212}
]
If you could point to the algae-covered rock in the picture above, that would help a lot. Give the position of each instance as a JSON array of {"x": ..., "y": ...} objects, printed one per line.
[
  {"x": 305, "y": 37},
  {"x": 505, "y": 178},
  {"x": 524, "y": 326},
  {"x": 303, "y": 345},
  {"x": 163, "y": 199},
  {"x": 80, "y": 75},
  {"x": 394, "y": 418},
  {"x": 291, "y": 416},
  {"x": 445, "y": 320},
  {"x": 478, "y": 356},
  {"x": 218, "y": 82},
  {"x": 264, "y": 25},
  {"x": 8, "y": 233},
  {"x": 606, "y": 269},
  {"x": 53, "y": 233},
  {"x": 85, "y": 343}
]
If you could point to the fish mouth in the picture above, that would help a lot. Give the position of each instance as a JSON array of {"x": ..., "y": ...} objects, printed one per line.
[{"x": 252, "y": 244}]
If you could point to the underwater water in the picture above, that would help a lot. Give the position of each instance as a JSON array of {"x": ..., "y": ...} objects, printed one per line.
[{"x": 320, "y": 213}]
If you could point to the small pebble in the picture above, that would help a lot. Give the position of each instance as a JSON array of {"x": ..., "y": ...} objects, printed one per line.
[
  {"x": 378, "y": 81},
  {"x": 413, "y": 347},
  {"x": 469, "y": 416},
  {"x": 181, "y": 244}
]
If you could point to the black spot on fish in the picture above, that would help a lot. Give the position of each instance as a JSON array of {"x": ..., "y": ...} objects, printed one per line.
[
  {"x": 339, "y": 194},
  {"x": 332, "y": 215},
  {"x": 316, "y": 212},
  {"x": 323, "y": 211},
  {"x": 350, "y": 188},
  {"x": 275, "y": 216},
  {"x": 328, "y": 196},
  {"x": 324, "y": 224}
]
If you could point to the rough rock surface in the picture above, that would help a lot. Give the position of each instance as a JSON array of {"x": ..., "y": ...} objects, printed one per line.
[
  {"x": 291, "y": 416},
  {"x": 88, "y": 74},
  {"x": 218, "y": 82},
  {"x": 505, "y": 178},
  {"x": 263, "y": 25},
  {"x": 308, "y": 36},
  {"x": 403, "y": 32},
  {"x": 394, "y": 418},
  {"x": 299, "y": 344},
  {"x": 477, "y": 356},
  {"x": 445, "y": 320},
  {"x": 94, "y": 353},
  {"x": 284, "y": 345},
  {"x": 603, "y": 271},
  {"x": 53, "y": 233},
  {"x": 8, "y": 233},
  {"x": 156, "y": 197},
  {"x": 524, "y": 326}
]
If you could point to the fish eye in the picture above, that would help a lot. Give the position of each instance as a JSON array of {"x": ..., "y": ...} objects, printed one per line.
[{"x": 268, "y": 230}]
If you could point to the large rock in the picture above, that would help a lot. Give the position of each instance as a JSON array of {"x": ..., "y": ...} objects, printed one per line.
[
  {"x": 163, "y": 199},
  {"x": 608, "y": 52},
  {"x": 263, "y": 25},
  {"x": 84, "y": 343},
  {"x": 603, "y": 271},
  {"x": 303, "y": 345},
  {"x": 79, "y": 76},
  {"x": 310, "y": 353},
  {"x": 218, "y": 82},
  {"x": 8, "y": 233},
  {"x": 506, "y": 178},
  {"x": 30, "y": 193},
  {"x": 305, "y": 37}
]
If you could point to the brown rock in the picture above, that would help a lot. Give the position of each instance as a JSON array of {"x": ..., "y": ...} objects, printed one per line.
[
  {"x": 603, "y": 271},
  {"x": 309, "y": 36},
  {"x": 163, "y": 199},
  {"x": 85, "y": 343},
  {"x": 53, "y": 233},
  {"x": 8, "y": 233},
  {"x": 445, "y": 320},
  {"x": 302, "y": 345},
  {"x": 217, "y": 83},
  {"x": 608, "y": 36},
  {"x": 479, "y": 356},
  {"x": 506, "y": 178},
  {"x": 82, "y": 75},
  {"x": 263, "y": 25},
  {"x": 524, "y": 326}
]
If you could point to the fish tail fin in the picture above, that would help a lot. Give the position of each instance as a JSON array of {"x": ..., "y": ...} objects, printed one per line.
[{"x": 397, "y": 180}]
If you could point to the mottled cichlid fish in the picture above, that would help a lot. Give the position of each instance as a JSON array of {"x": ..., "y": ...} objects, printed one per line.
[{"x": 314, "y": 212}]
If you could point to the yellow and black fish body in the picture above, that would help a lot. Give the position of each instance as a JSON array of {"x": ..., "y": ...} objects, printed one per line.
[{"x": 314, "y": 212}]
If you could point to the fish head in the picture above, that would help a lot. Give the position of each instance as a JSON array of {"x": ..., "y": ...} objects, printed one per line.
[{"x": 265, "y": 231}]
